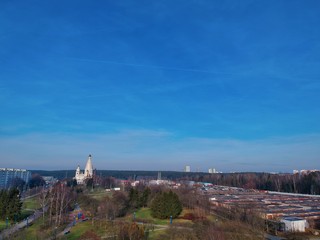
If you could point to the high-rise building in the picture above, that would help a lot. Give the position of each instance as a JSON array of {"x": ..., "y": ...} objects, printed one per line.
[
  {"x": 187, "y": 169},
  {"x": 8, "y": 174}
]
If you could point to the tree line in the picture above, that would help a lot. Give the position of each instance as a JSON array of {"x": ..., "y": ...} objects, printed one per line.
[
  {"x": 291, "y": 183},
  {"x": 285, "y": 182}
]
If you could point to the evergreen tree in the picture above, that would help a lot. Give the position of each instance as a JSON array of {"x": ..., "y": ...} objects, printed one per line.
[
  {"x": 134, "y": 198},
  {"x": 3, "y": 203},
  {"x": 10, "y": 203},
  {"x": 143, "y": 199},
  {"x": 14, "y": 206},
  {"x": 166, "y": 204}
]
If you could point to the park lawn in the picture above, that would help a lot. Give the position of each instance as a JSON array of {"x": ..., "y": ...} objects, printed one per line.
[
  {"x": 78, "y": 230},
  {"x": 2, "y": 225},
  {"x": 31, "y": 203},
  {"x": 81, "y": 227},
  {"x": 99, "y": 193},
  {"x": 34, "y": 231},
  {"x": 145, "y": 214}
]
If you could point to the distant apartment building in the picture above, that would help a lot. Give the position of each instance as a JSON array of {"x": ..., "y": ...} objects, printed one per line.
[
  {"x": 50, "y": 180},
  {"x": 305, "y": 172},
  {"x": 8, "y": 174},
  {"x": 212, "y": 170},
  {"x": 187, "y": 169}
]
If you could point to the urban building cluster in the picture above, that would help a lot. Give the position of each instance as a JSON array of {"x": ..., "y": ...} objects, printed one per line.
[
  {"x": 285, "y": 211},
  {"x": 187, "y": 168},
  {"x": 305, "y": 172},
  {"x": 296, "y": 211},
  {"x": 7, "y": 176}
]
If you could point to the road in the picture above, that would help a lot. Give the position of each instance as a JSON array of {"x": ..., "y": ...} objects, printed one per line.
[{"x": 7, "y": 232}]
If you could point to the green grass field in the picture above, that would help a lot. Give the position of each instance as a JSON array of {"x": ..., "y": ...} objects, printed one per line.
[
  {"x": 78, "y": 230},
  {"x": 34, "y": 231},
  {"x": 99, "y": 193},
  {"x": 31, "y": 203},
  {"x": 2, "y": 225},
  {"x": 101, "y": 230},
  {"x": 145, "y": 214},
  {"x": 28, "y": 207},
  {"x": 81, "y": 228}
]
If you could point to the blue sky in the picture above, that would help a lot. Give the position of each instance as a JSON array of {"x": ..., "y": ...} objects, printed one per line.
[{"x": 157, "y": 85}]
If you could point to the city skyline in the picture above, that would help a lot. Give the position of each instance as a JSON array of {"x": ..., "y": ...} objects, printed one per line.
[{"x": 160, "y": 85}]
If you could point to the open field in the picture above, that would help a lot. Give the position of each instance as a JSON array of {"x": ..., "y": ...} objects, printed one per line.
[
  {"x": 31, "y": 203},
  {"x": 79, "y": 229},
  {"x": 36, "y": 230},
  {"x": 144, "y": 214},
  {"x": 103, "y": 229},
  {"x": 99, "y": 193}
]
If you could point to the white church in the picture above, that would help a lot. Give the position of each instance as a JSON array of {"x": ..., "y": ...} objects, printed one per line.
[{"x": 88, "y": 172}]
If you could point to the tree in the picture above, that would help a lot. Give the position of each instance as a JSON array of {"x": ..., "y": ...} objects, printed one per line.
[
  {"x": 130, "y": 231},
  {"x": 122, "y": 202},
  {"x": 18, "y": 183},
  {"x": 144, "y": 198},
  {"x": 60, "y": 197},
  {"x": 10, "y": 203},
  {"x": 43, "y": 200},
  {"x": 15, "y": 204},
  {"x": 89, "y": 183},
  {"x": 36, "y": 181},
  {"x": 3, "y": 203},
  {"x": 108, "y": 209},
  {"x": 139, "y": 196},
  {"x": 134, "y": 198},
  {"x": 72, "y": 183},
  {"x": 165, "y": 205}
]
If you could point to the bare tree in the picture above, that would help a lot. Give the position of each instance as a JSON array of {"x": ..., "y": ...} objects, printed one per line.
[
  {"x": 43, "y": 201},
  {"x": 59, "y": 199}
]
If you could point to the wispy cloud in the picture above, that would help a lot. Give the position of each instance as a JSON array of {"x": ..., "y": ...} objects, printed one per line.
[{"x": 160, "y": 150}]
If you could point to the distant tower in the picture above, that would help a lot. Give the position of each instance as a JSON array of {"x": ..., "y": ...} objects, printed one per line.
[
  {"x": 187, "y": 169},
  {"x": 159, "y": 176},
  {"x": 88, "y": 171}
]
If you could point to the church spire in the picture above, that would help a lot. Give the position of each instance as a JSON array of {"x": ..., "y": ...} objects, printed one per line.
[{"x": 88, "y": 171}]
